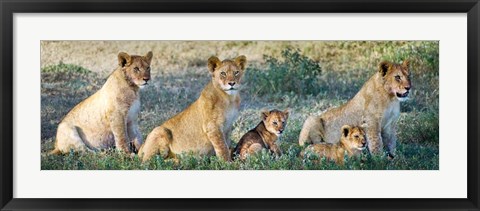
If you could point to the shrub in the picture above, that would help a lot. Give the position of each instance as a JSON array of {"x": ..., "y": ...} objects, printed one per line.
[
  {"x": 63, "y": 68},
  {"x": 293, "y": 73}
]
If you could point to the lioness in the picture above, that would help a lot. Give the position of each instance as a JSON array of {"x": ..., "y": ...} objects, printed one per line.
[
  {"x": 203, "y": 127},
  {"x": 377, "y": 102},
  {"x": 352, "y": 143},
  {"x": 265, "y": 135},
  {"x": 109, "y": 117}
]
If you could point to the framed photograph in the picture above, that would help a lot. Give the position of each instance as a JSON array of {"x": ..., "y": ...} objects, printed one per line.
[{"x": 239, "y": 105}]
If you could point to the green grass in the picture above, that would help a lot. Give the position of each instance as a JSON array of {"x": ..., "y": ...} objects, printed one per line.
[
  {"x": 306, "y": 77},
  {"x": 413, "y": 157}
]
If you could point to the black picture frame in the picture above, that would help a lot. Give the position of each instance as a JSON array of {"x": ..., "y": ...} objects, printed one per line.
[{"x": 9, "y": 7}]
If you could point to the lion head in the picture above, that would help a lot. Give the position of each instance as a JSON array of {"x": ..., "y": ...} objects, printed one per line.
[
  {"x": 353, "y": 137},
  {"x": 396, "y": 78},
  {"x": 136, "y": 68},
  {"x": 227, "y": 74},
  {"x": 275, "y": 120}
]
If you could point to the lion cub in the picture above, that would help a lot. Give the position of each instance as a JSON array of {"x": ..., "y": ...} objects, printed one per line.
[
  {"x": 203, "y": 127},
  {"x": 109, "y": 117},
  {"x": 265, "y": 135},
  {"x": 352, "y": 143}
]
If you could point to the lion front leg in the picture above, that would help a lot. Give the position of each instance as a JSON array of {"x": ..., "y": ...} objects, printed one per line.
[
  {"x": 374, "y": 138},
  {"x": 390, "y": 139},
  {"x": 119, "y": 129},
  {"x": 216, "y": 137},
  {"x": 276, "y": 150},
  {"x": 135, "y": 136}
]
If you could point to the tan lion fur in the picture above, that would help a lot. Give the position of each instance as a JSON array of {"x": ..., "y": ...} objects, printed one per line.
[
  {"x": 377, "y": 104},
  {"x": 265, "y": 135},
  {"x": 351, "y": 143},
  {"x": 108, "y": 118},
  {"x": 202, "y": 128}
]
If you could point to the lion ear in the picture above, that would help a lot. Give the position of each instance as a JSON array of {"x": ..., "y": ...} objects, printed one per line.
[
  {"x": 286, "y": 112},
  {"x": 345, "y": 130},
  {"x": 364, "y": 125},
  {"x": 265, "y": 114},
  {"x": 383, "y": 67},
  {"x": 406, "y": 64},
  {"x": 213, "y": 63},
  {"x": 124, "y": 59},
  {"x": 148, "y": 57},
  {"x": 241, "y": 61}
]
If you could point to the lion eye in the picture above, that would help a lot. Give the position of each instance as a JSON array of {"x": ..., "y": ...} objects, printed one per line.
[
  {"x": 356, "y": 136},
  {"x": 136, "y": 69},
  {"x": 223, "y": 74},
  {"x": 275, "y": 123},
  {"x": 397, "y": 77},
  {"x": 237, "y": 73},
  {"x": 148, "y": 69}
]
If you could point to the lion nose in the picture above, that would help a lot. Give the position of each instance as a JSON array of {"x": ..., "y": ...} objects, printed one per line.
[
  {"x": 280, "y": 131},
  {"x": 146, "y": 79},
  {"x": 231, "y": 83},
  {"x": 407, "y": 88}
]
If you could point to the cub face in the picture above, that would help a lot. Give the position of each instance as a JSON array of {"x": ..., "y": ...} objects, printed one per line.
[
  {"x": 227, "y": 74},
  {"x": 354, "y": 137},
  {"x": 275, "y": 120},
  {"x": 136, "y": 68},
  {"x": 396, "y": 78}
]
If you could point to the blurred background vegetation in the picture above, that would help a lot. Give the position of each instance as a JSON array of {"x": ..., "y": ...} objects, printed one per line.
[{"x": 306, "y": 76}]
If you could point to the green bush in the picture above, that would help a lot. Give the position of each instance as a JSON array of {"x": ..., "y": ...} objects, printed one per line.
[
  {"x": 293, "y": 73},
  {"x": 62, "y": 68}
]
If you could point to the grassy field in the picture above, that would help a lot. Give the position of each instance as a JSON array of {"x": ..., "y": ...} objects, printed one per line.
[{"x": 307, "y": 77}]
